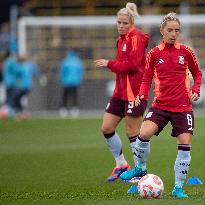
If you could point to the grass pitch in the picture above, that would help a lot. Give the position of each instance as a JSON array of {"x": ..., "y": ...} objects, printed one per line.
[{"x": 66, "y": 161}]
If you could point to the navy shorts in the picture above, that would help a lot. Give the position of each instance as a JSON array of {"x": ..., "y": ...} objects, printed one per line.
[
  {"x": 182, "y": 122},
  {"x": 122, "y": 108}
]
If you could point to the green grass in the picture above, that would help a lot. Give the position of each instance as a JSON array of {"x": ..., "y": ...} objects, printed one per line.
[{"x": 67, "y": 162}]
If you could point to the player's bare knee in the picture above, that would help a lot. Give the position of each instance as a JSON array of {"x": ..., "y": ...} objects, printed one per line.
[
  {"x": 107, "y": 130},
  {"x": 132, "y": 131},
  {"x": 145, "y": 134},
  {"x": 184, "y": 138}
]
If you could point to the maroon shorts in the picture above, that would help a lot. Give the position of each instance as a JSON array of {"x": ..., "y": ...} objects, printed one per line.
[
  {"x": 182, "y": 122},
  {"x": 122, "y": 108}
]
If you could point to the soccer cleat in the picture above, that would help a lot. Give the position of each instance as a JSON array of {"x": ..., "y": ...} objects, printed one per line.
[
  {"x": 178, "y": 192},
  {"x": 117, "y": 171},
  {"x": 135, "y": 172}
]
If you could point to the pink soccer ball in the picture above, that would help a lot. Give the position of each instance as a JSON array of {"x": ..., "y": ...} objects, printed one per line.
[{"x": 150, "y": 186}]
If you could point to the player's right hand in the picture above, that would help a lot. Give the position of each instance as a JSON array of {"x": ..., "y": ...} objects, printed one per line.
[
  {"x": 138, "y": 100},
  {"x": 194, "y": 96},
  {"x": 100, "y": 63}
]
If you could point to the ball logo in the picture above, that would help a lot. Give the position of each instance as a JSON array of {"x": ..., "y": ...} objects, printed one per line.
[{"x": 157, "y": 180}]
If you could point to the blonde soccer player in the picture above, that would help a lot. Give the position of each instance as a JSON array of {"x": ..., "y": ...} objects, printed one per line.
[{"x": 128, "y": 68}]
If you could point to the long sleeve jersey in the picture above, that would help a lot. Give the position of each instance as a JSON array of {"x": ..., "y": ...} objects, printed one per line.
[
  {"x": 169, "y": 66},
  {"x": 129, "y": 64}
]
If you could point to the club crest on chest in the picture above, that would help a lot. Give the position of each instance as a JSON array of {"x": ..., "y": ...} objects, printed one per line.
[{"x": 181, "y": 60}]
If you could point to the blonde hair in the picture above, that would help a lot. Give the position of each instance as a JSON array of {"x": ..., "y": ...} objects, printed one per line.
[
  {"x": 130, "y": 10},
  {"x": 170, "y": 16}
]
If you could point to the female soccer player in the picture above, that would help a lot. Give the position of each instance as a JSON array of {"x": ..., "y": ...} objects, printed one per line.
[
  {"x": 168, "y": 64},
  {"x": 129, "y": 67}
]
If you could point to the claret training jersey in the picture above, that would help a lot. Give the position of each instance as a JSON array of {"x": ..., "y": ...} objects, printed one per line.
[
  {"x": 129, "y": 64},
  {"x": 170, "y": 66}
]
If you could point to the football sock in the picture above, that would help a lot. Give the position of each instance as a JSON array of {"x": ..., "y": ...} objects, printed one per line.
[
  {"x": 142, "y": 150},
  {"x": 132, "y": 145},
  {"x": 115, "y": 145},
  {"x": 182, "y": 164}
]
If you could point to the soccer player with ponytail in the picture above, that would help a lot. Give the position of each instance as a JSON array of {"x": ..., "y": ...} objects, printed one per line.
[
  {"x": 169, "y": 65},
  {"x": 128, "y": 67}
]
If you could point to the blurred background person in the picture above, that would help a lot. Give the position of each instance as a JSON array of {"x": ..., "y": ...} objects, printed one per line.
[
  {"x": 9, "y": 73},
  {"x": 26, "y": 70},
  {"x": 71, "y": 74}
]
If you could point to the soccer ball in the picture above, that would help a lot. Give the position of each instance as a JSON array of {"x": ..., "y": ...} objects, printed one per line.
[{"x": 150, "y": 186}]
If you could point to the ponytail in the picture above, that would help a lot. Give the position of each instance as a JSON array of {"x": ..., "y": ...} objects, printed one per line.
[{"x": 130, "y": 10}]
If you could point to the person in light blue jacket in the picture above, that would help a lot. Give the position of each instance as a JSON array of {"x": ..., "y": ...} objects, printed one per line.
[
  {"x": 10, "y": 67},
  {"x": 71, "y": 74},
  {"x": 26, "y": 70}
]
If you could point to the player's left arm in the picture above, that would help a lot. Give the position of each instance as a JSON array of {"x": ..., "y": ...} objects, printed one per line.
[{"x": 196, "y": 73}]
